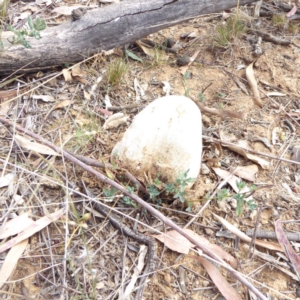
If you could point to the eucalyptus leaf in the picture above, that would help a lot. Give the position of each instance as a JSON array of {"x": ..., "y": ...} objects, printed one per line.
[{"x": 133, "y": 56}]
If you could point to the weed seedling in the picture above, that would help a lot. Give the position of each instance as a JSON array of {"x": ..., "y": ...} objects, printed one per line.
[
  {"x": 176, "y": 189},
  {"x": 227, "y": 33},
  {"x": 110, "y": 193},
  {"x": 240, "y": 197},
  {"x": 201, "y": 97},
  {"x": 293, "y": 28},
  {"x": 116, "y": 70},
  {"x": 3, "y": 10},
  {"x": 279, "y": 21},
  {"x": 127, "y": 200},
  {"x": 187, "y": 90},
  {"x": 34, "y": 30}
]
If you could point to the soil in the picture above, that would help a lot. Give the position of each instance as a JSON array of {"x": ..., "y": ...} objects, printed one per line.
[{"x": 86, "y": 258}]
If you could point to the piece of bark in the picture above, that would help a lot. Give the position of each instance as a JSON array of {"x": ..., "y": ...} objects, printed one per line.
[{"x": 102, "y": 29}]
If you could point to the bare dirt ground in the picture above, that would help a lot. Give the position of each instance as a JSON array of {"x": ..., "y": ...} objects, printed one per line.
[{"x": 81, "y": 256}]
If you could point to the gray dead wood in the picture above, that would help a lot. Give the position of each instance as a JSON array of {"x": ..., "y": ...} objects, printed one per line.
[{"x": 103, "y": 29}]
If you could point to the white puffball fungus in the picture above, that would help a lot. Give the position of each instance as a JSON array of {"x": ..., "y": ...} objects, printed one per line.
[{"x": 164, "y": 138}]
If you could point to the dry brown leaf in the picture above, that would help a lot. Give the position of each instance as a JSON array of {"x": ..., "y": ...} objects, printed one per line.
[
  {"x": 176, "y": 242},
  {"x": 221, "y": 283},
  {"x": 11, "y": 93},
  {"x": 289, "y": 192},
  {"x": 80, "y": 79},
  {"x": 275, "y": 135},
  {"x": 7, "y": 179},
  {"x": 45, "y": 98},
  {"x": 15, "y": 226},
  {"x": 253, "y": 84},
  {"x": 246, "y": 238},
  {"x": 76, "y": 71},
  {"x": 105, "y": 112},
  {"x": 67, "y": 75},
  {"x": 276, "y": 94},
  {"x": 292, "y": 11},
  {"x": 4, "y": 107},
  {"x": 288, "y": 249},
  {"x": 233, "y": 180},
  {"x": 240, "y": 84},
  {"x": 244, "y": 144},
  {"x": 262, "y": 162},
  {"x": 64, "y": 103},
  {"x": 115, "y": 120},
  {"x": 154, "y": 53},
  {"x": 257, "y": 8},
  {"x": 26, "y": 143},
  {"x": 78, "y": 74},
  {"x": 11, "y": 261},
  {"x": 32, "y": 229},
  {"x": 246, "y": 172},
  {"x": 87, "y": 95}
]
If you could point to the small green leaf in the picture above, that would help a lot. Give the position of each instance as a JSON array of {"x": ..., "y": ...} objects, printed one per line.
[
  {"x": 133, "y": 56},
  {"x": 170, "y": 188},
  {"x": 240, "y": 185},
  {"x": 153, "y": 191},
  {"x": 30, "y": 23},
  {"x": 109, "y": 192}
]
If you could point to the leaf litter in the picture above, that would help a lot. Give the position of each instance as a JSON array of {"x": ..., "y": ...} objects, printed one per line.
[{"x": 222, "y": 96}]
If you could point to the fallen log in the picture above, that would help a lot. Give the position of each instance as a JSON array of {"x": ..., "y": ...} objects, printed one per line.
[{"x": 102, "y": 29}]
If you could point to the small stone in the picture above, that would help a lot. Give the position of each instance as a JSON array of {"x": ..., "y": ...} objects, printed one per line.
[
  {"x": 207, "y": 181},
  {"x": 204, "y": 169},
  {"x": 170, "y": 42},
  {"x": 183, "y": 60},
  {"x": 209, "y": 231}
]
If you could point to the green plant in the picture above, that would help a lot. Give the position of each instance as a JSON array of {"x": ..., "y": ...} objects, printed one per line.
[
  {"x": 84, "y": 134},
  {"x": 201, "y": 97},
  {"x": 228, "y": 32},
  {"x": 176, "y": 189},
  {"x": 110, "y": 192},
  {"x": 279, "y": 21},
  {"x": 82, "y": 138},
  {"x": 240, "y": 197},
  {"x": 293, "y": 28},
  {"x": 116, "y": 70},
  {"x": 127, "y": 200},
  {"x": 159, "y": 57},
  {"x": 220, "y": 95},
  {"x": 153, "y": 192},
  {"x": 187, "y": 90},
  {"x": 34, "y": 31},
  {"x": 3, "y": 10},
  {"x": 81, "y": 225},
  {"x": 132, "y": 55}
]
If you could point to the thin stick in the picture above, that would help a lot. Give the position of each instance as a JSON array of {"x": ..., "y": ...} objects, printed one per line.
[{"x": 252, "y": 243}]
